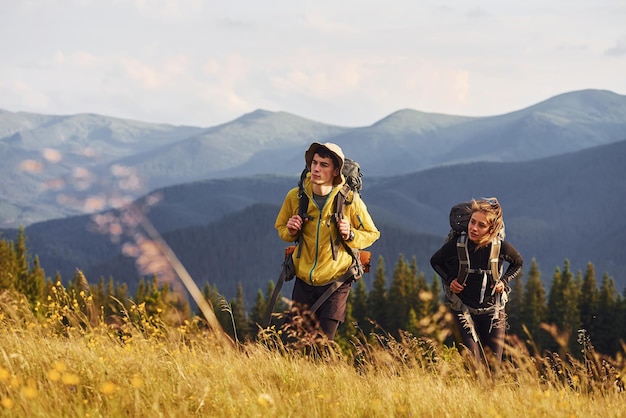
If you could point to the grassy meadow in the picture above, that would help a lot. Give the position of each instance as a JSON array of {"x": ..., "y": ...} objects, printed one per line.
[{"x": 62, "y": 360}]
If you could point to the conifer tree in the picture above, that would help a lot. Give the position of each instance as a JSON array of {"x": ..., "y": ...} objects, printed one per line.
[
  {"x": 515, "y": 305},
  {"x": 399, "y": 293},
  {"x": 99, "y": 296},
  {"x": 120, "y": 293},
  {"x": 589, "y": 300},
  {"x": 153, "y": 299},
  {"x": 116, "y": 298},
  {"x": 359, "y": 302},
  {"x": 257, "y": 313},
  {"x": 413, "y": 285},
  {"x": 556, "y": 304},
  {"x": 534, "y": 310},
  {"x": 437, "y": 295},
  {"x": 20, "y": 271},
  {"x": 572, "y": 298},
  {"x": 563, "y": 309},
  {"x": 7, "y": 265},
  {"x": 36, "y": 282},
  {"x": 420, "y": 297},
  {"x": 412, "y": 323},
  {"x": 377, "y": 298},
  {"x": 240, "y": 316},
  {"x": 606, "y": 336},
  {"x": 142, "y": 290}
]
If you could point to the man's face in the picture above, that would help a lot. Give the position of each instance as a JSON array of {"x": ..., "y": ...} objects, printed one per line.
[{"x": 323, "y": 171}]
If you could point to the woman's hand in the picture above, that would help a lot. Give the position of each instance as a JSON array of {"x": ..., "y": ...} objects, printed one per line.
[
  {"x": 499, "y": 287},
  {"x": 456, "y": 287}
]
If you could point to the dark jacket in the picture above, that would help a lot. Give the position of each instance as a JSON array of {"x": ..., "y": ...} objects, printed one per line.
[{"x": 446, "y": 263}]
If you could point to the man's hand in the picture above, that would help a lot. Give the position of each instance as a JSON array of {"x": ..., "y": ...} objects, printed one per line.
[
  {"x": 294, "y": 224},
  {"x": 344, "y": 228}
]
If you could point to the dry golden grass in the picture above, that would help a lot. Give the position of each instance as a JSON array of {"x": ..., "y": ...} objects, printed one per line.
[{"x": 50, "y": 366}]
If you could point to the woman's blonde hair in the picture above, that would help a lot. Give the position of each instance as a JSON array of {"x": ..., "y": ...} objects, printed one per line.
[{"x": 493, "y": 212}]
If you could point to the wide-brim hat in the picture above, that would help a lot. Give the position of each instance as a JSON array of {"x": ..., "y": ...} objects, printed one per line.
[{"x": 333, "y": 149}]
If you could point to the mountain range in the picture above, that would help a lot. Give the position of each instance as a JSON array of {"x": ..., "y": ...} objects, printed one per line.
[
  {"x": 556, "y": 167},
  {"x": 55, "y": 166}
]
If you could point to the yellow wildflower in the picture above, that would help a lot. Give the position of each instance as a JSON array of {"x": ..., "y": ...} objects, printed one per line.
[
  {"x": 70, "y": 379},
  {"x": 136, "y": 382},
  {"x": 265, "y": 400},
  {"x": 29, "y": 392},
  {"x": 107, "y": 388}
]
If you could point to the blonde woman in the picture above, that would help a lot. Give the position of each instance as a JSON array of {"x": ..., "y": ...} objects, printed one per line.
[{"x": 478, "y": 301}]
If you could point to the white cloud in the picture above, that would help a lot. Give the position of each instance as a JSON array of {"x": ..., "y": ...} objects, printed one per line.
[
  {"x": 619, "y": 49},
  {"x": 349, "y": 63},
  {"x": 24, "y": 95},
  {"x": 169, "y": 9}
]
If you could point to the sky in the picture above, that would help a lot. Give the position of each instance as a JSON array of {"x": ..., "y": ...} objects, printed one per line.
[{"x": 347, "y": 63}]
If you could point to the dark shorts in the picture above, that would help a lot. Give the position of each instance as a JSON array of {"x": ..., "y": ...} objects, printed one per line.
[{"x": 333, "y": 308}]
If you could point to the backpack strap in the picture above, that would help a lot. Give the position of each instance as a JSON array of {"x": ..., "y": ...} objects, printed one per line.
[
  {"x": 463, "y": 254},
  {"x": 464, "y": 265},
  {"x": 303, "y": 207},
  {"x": 352, "y": 272},
  {"x": 340, "y": 202},
  {"x": 494, "y": 261}
]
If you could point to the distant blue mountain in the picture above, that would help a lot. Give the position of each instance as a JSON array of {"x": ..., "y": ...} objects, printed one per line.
[{"x": 80, "y": 163}]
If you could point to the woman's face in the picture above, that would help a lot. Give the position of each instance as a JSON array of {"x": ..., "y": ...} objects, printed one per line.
[{"x": 478, "y": 227}]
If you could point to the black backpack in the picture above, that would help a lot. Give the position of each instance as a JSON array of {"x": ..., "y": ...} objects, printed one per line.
[{"x": 460, "y": 215}]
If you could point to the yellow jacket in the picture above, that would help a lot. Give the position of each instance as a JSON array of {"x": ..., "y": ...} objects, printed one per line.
[{"x": 316, "y": 265}]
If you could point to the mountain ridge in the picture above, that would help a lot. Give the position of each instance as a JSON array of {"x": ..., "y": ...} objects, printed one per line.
[{"x": 263, "y": 142}]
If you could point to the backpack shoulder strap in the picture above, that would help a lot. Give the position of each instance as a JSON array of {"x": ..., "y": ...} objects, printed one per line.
[
  {"x": 464, "y": 261},
  {"x": 303, "y": 206},
  {"x": 494, "y": 259},
  {"x": 341, "y": 200}
]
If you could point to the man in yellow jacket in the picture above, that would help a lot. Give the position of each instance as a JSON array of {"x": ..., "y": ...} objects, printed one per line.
[{"x": 315, "y": 267}]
